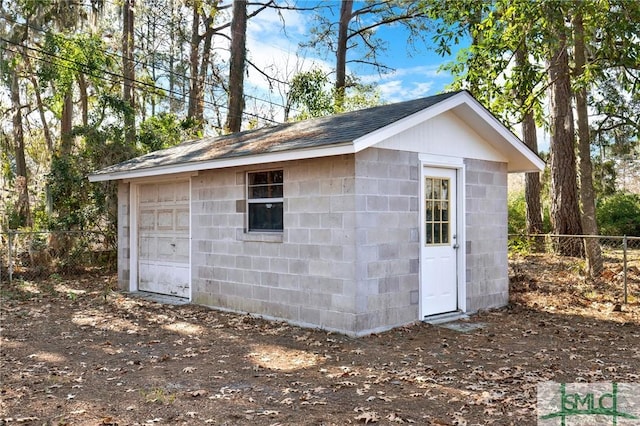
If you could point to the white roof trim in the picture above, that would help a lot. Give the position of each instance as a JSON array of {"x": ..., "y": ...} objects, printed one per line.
[
  {"x": 462, "y": 104},
  {"x": 299, "y": 154},
  {"x": 460, "y": 99}
]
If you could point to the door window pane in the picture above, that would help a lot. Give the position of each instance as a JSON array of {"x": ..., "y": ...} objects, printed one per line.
[{"x": 437, "y": 216}]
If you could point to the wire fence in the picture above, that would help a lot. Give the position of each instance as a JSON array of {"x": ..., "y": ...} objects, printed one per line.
[
  {"x": 39, "y": 254},
  {"x": 590, "y": 264}
]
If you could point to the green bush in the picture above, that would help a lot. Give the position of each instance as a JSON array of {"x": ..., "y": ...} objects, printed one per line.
[
  {"x": 619, "y": 215},
  {"x": 517, "y": 213}
]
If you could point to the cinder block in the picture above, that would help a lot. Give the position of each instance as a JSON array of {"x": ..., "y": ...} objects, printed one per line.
[
  {"x": 320, "y": 268},
  {"x": 309, "y": 315},
  {"x": 414, "y": 297},
  {"x": 332, "y": 253},
  {"x": 291, "y": 281},
  {"x": 252, "y": 277},
  {"x": 321, "y": 301},
  {"x": 388, "y": 251},
  {"x": 299, "y": 267},
  {"x": 279, "y": 265},
  {"x": 342, "y": 203},
  {"x": 299, "y": 236},
  {"x": 289, "y": 297},
  {"x": 281, "y": 310},
  {"x": 270, "y": 279}
]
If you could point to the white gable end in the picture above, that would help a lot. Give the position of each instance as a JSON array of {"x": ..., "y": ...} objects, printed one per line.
[{"x": 445, "y": 135}]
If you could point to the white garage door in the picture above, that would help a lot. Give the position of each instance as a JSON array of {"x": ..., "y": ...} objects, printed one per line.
[{"x": 163, "y": 238}]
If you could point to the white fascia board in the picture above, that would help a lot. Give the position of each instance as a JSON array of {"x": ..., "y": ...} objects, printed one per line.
[
  {"x": 300, "y": 154},
  {"x": 504, "y": 136}
]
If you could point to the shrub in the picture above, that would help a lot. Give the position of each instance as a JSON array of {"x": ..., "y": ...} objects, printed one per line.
[
  {"x": 517, "y": 213},
  {"x": 619, "y": 215}
]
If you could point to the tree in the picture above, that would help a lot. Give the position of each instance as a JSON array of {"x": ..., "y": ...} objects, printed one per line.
[
  {"x": 128, "y": 70},
  {"x": 587, "y": 193},
  {"x": 358, "y": 29},
  {"x": 565, "y": 210},
  {"x": 530, "y": 138},
  {"x": 237, "y": 66},
  {"x": 311, "y": 93}
]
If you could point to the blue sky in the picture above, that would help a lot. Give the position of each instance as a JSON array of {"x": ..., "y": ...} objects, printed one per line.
[{"x": 276, "y": 50}]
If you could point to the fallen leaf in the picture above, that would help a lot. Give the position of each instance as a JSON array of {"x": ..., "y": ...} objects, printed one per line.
[{"x": 368, "y": 417}]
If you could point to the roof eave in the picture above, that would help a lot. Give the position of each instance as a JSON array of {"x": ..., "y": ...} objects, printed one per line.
[
  {"x": 246, "y": 160},
  {"x": 520, "y": 158}
]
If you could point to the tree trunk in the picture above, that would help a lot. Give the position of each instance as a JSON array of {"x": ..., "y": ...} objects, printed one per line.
[
  {"x": 565, "y": 211},
  {"x": 173, "y": 102},
  {"x": 204, "y": 69},
  {"x": 84, "y": 98},
  {"x": 532, "y": 180},
  {"x": 532, "y": 184},
  {"x": 66, "y": 123},
  {"x": 45, "y": 127},
  {"x": 237, "y": 66},
  {"x": 128, "y": 93},
  {"x": 195, "y": 91},
  {"x": 587, "y": 197},
  {"x": 341, "y": 52},
  {"x": 22, "y": 206}
]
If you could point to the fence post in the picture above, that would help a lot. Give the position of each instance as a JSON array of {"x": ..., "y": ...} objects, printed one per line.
[
  {"x": 624, "y": 265},
  {"x": 10, "y": 257}
]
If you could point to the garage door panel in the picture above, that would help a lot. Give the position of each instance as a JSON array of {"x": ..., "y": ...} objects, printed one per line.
[
  {"x": 166, "y": 278},
  {"x": 148, "y": 193},
  {"x": 182, "y": 219},
  {"x": 182, "y": 191},
  {"x": 165, "y": 219},
  {"x": 163, "y": 238},
  {"x": 147, "y": 220}
]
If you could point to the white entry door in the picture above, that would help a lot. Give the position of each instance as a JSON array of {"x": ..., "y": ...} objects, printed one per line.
[
  {"x": 438, "y": 283},
  {"x": 163, "y": 238}
]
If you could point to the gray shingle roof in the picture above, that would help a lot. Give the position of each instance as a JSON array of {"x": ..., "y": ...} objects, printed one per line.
[{"x": 318, "y": 132}]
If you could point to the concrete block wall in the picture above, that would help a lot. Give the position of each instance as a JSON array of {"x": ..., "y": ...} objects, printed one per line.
[
  {"x": 486, "y": 234},
  {"x": 387, "y": 239},
  {"x": 124, "y": 241},
  {"x": 306, "y": 273}
]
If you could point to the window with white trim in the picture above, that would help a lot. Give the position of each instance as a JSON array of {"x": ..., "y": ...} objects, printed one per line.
[{"x": 265, "y": 201}]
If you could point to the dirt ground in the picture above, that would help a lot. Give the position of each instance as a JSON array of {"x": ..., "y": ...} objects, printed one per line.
[{"x": 74, "y": 352}]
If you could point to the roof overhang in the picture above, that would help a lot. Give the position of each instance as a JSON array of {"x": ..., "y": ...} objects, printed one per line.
[
  {"x": 275, "y": 157},
  {"x": 519, "y": 157}
]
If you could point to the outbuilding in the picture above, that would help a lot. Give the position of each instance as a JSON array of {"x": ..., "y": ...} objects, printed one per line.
[{"x": 357, "y": 222}]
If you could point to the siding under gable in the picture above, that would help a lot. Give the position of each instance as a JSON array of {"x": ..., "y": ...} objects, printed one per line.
[{"x": 446, "y": 135}]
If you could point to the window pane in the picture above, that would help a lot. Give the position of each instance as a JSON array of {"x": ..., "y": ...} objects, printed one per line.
[
  {"x": 428, "y": 188},
  {"x": 445, "y": 211},
  {"x": 265, "y": 217},
  {"x": 429, "y": 210},
  {"x": 265, "y": 184},
  {"x": 445, "y": 189},
  {"x": 436, "y": 233},
  {"x": 436, "y": 212},
  {"x": 265, "y": 191},
  {"x": 445, "y": 233},
  {"x": 429, "y": 233},
  {"x": 436, "y": 189},
  {"x": 263, "y": 178}
]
